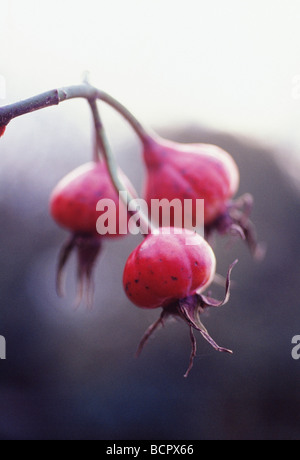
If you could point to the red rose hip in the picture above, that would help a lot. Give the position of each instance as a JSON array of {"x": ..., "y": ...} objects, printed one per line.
[
  {"x": 199, "y": 171},
  {"x": 170, "y": 269},
  {"x": 191, "y": 171},
  {"x": 73, "y": 202},
  {"x": 164, "y": 268},
  {"x": 73, "y": 205}
]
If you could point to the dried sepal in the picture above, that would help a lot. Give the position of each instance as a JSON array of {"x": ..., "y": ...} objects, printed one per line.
[
  {"x": 87, "y": 248},
  {"x": 236, "y": 222},
  {"x": 150, "y": 331},
  {"x": 189, "y": 310}
]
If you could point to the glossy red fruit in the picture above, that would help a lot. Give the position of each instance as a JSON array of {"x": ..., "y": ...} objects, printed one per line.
[
  {"x": 2, "y": 130},
  {"x": 163, "y": 268},
  {"x": 191, "y": 171},
  {"x": 199, "y": 171},
  {"x": 73, "y": 205},
  {"x": 171, "y": 271},
  {"x": 74, "y": 200}
]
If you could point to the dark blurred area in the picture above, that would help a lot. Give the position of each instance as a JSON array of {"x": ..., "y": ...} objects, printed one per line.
[{"x": 72, "y": 374}]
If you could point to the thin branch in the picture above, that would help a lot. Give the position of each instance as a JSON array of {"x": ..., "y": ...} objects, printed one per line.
[
  {"x": 9, "y": 112},
  {"x": 56, "y": 96},
  {"x": 44, "y": 100}
]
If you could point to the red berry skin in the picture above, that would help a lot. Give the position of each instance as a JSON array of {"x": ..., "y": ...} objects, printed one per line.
[
  {"x": 190, "y": 171},
  {"x": 163, "y": 268},
  {"x": 2, "y": 130},
  {"x": 73, "y": 201}
]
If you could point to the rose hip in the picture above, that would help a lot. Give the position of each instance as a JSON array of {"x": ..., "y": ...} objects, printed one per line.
[
  {"x": 73, "y": 205},
  {"x": 164, "y": 271},
  {"x": 199, "y": 171}
]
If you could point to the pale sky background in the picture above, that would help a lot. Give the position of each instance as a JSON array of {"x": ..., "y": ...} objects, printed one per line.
[{"x": 232, "y": 65}]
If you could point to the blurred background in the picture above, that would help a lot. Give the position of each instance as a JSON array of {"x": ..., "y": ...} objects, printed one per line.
[{"x": 218, "y": 72}]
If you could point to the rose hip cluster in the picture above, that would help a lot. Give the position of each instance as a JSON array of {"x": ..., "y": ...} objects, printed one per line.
[{"x": 172, "y": 268}]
